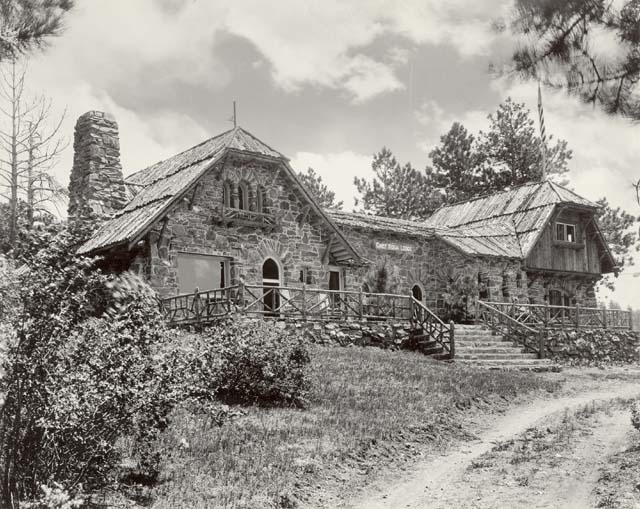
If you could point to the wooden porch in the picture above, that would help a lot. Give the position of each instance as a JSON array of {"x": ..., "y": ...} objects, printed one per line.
[{"x": 526, "y": 324}]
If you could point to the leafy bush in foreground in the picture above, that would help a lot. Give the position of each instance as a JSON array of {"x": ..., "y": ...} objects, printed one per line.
[
  {"x": 247, "y": 362},
  {"x": 86, "y": 367}
]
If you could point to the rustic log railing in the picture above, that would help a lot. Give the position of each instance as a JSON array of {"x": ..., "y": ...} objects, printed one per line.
[
  {"x": 200, "y": 307},
  {"x": 285, "y": 302},
  {"x": 565, "y": 317},
  {"x": 315, "y": 303},
  {"x": 432, "y": 326},
  {"x": 518, "y": 330}
]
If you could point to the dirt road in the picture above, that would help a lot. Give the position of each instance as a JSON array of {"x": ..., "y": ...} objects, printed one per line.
[{"x": 462, "y": 479}]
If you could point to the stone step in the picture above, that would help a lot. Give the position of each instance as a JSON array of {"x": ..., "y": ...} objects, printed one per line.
[
  {"x": 432, "y": 351},
  {"x": 504, "y": 362},
  {"x": 538, "y": 367},
  {"x": 492, "y": 344},
  {"x": 513, "y": 350},
  {"x": 496, "y": 356}
]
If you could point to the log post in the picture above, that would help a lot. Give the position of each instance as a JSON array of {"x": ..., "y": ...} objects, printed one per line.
[
  {"x": 360, "y": 304},
  {"x": 577, "y": 316},
  {"x": 452, "y": 341},
  {"x": 304, "y": 301},
  {"x": 604, "y": 318},
  {"x": 542, "y": 344}
]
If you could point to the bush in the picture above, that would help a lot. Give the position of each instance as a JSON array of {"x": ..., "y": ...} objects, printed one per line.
[
  {"x": 247, "y": 362},
  {"x": 86, "y": 367}
]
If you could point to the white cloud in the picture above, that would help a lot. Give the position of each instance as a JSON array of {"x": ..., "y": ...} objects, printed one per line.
[
  {"x": 325, "y": 43},
  {"x": 337, "y": 171}
]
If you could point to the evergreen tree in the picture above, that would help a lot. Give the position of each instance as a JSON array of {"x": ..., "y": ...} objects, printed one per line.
[
  {"x": 396, "y": 191},
  {"x": 511, "y": 153},
  {"x": 616, "y": 226},
  {"x": 455, "y": 164},
  {"x": 26, "y": 24},
  {"x": 558, "y": 43},
  {"x": 314, "y": 184}
]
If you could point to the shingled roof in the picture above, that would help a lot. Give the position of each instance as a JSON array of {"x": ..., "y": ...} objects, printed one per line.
[
  {"x": 486, "y": 240},
  {"x": 526, "y": 208},
  {"x": 153, "y": 190}
]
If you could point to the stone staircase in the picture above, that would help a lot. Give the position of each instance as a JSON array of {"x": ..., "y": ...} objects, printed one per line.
[{"x": 477, "y": 346}]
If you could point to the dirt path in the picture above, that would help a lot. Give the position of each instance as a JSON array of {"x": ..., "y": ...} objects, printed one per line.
[{"x": 442, "y": 482}]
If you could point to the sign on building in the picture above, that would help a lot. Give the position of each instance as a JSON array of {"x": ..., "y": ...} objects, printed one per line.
[{"x": 392, "y": 246}]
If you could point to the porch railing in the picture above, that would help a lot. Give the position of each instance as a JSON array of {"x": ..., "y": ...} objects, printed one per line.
[
  {"x": 200, "y": 307},
  {"x": 433, "y": 327},
  {"x": 519, "y": 330},
  {"x": 565, "y": 317},
  {"x": 315, "y": 303},
  {"x": 285, "y": 302}
]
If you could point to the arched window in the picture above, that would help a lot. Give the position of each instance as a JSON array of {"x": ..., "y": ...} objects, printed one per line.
[
  {"x": 260, "y": 199},
  {"x": 226, "y": 195},
  {"x": 417, "y": 293},
  {"x": 243, "y": 197}
]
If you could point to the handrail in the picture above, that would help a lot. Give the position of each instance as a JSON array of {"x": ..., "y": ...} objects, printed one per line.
[
  {"x": 554, "y": 316},
  {"x": 514, "y": 329},
  {"x": 431, "y": 324},
  {"x": 284, "y": 301}
]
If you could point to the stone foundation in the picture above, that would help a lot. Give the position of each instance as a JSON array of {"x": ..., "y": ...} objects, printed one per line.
[{"x": 593, "y": 346}]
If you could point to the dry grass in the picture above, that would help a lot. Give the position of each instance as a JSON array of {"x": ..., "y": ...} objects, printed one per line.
[{"x": 369, "y": 408}]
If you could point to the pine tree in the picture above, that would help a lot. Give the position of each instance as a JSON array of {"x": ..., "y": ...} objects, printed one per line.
[
  {"x": 26, "y": 24},
  {"x": 314, "y": 184},
  {"x": 557, "y": 42},
  {"x": 396, "y": 191},
  {"x": 616, "y": 226},
  {"x": 455, "y": 164},
  {"x": 510, "y": 151}
]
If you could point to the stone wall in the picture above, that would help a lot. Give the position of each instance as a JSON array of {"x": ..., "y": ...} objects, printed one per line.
[
  {"x": 593, "y": 346},
  {"x": 96, "y": 187},
  {"x": 580, "y": 291},
  {"x": 431, "y": 264},
  {"x": 298, "y": 242}
]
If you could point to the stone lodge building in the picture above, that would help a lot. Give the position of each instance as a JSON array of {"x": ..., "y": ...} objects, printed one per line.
[{"x": 232, "y": 208}]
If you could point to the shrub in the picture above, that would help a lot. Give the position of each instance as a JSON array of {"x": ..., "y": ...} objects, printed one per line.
[
  {"x": 248, "y": 362},
  {"x": 86, "y": 367}
]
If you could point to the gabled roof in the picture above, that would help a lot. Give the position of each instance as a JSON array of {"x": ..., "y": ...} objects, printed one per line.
[
  {"x": 486, "y": 240},
  {"x": 154, "y": 189},
  {"x": 528, "y": 208}
]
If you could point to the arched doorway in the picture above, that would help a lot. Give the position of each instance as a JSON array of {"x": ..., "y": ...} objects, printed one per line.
[
  {"x": 271, "y": 278},
  {"x": 416, "y": 291}
]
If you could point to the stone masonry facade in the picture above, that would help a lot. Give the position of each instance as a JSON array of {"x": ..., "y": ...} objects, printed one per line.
[
  {"x": 194, "y": 226},
  {"x": 97, "y": 186}
]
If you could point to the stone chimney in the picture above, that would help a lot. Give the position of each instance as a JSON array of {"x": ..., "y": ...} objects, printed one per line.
[{"x": 97, "y": 185}]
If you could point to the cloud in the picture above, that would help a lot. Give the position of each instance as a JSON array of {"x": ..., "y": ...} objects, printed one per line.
[{"x": 337, "y": 171}]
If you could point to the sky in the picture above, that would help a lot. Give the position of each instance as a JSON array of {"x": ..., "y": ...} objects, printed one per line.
[{"x": 327, "y": 83}]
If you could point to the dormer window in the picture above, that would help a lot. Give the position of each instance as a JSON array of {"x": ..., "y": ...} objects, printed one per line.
[
  {"x": 226, "y": 195},
  {"x": 566, "y": 232}
]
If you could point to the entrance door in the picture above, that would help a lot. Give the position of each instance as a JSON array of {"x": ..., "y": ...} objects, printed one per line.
[
  {"x": 271, "y": 282},
  {"x": 335, "y": 283},
  {"x": 416, "y": 291}
]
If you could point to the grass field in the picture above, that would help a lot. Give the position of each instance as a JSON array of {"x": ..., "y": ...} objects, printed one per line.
[{"x": 369, "y": 408}]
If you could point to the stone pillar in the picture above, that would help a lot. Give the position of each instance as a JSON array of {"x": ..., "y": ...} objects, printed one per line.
[{"x": 97, "y": 185}]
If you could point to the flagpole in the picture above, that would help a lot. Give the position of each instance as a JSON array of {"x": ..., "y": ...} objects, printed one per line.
[{"x": 543, "y": 136}]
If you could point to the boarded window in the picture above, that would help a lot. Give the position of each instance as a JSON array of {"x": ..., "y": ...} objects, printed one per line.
[{"x": 202, "y": 271}]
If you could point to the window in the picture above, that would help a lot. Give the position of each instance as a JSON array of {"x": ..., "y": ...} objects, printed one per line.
[
  {"x": 243, "y": 197},
  {"x": 566, "y": 232},
  {"x": 305, "y": 276},
  {"x": 202, "y": 271},
  {"x": 226, "y": 195},
  {"x": 260, "y": 199}
]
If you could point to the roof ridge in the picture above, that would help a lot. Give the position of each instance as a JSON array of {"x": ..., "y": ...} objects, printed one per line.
[
  {"x": 180, "y": 153},
  {"x": 258, "y": 139}
]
